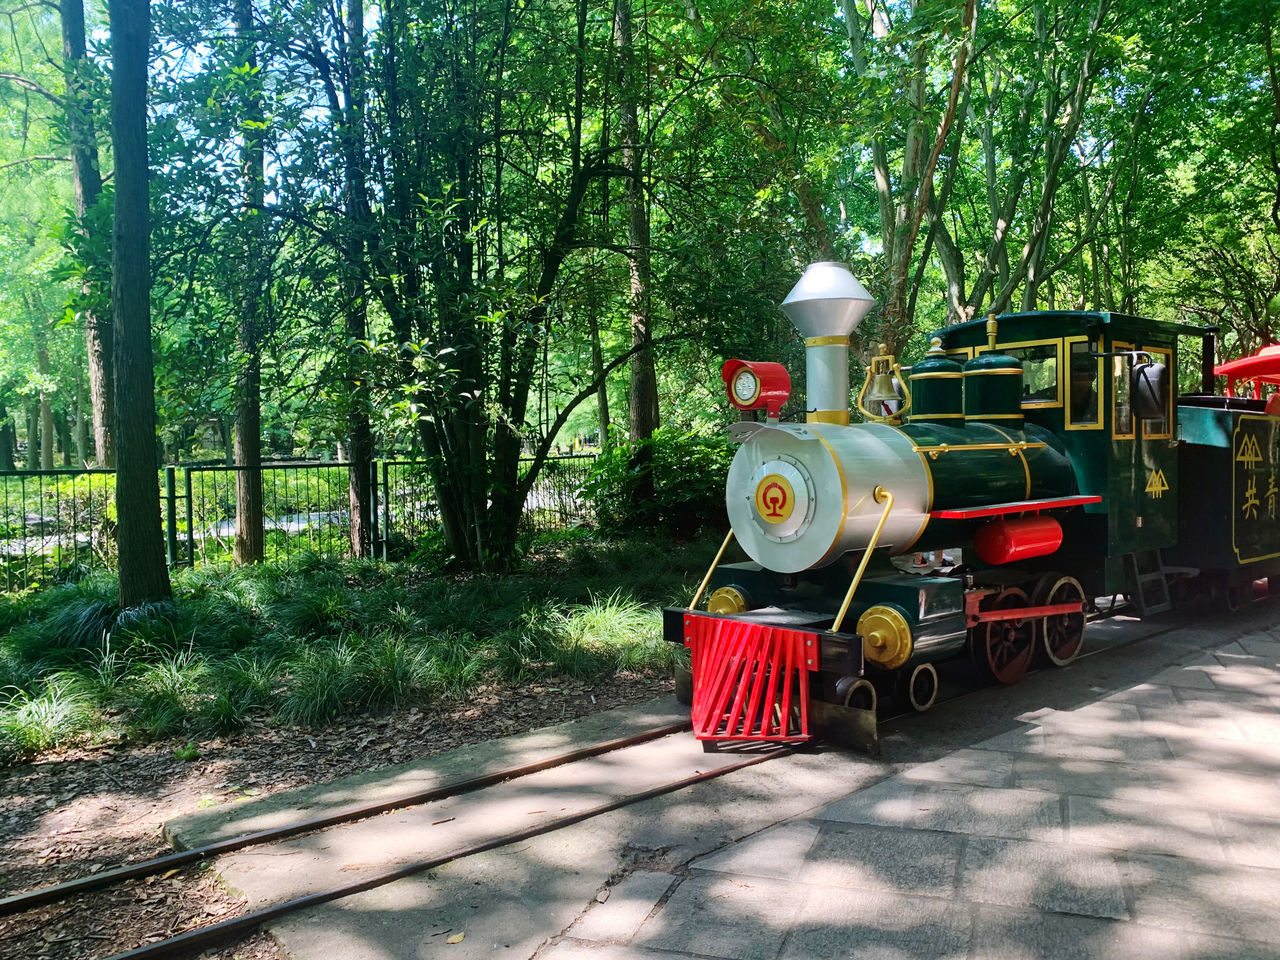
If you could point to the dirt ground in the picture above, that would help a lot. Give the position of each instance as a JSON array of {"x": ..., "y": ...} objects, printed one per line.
[{"x": 85, "y": 809}]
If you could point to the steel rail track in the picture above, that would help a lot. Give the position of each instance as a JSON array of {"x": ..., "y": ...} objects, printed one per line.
[
  {"x": 189, "y": 943},
  {"x": 21, "y": 902}
]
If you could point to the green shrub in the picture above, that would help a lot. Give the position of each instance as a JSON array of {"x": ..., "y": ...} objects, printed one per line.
[
  {"x": 34, "y": 722},
  {"x": 319, "y": 686},
  {"x": 623, "y": 632},
  {"x": 244, "y": 685},
  {"x": 688, "y": 470},
  {"x": 389, "y": 672},
  {"x": 168, "y": 693},
  {"x": 311, "y": 640}
]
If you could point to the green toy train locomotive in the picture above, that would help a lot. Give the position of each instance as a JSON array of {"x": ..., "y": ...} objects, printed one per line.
[{"x": 1049, "y": 448}]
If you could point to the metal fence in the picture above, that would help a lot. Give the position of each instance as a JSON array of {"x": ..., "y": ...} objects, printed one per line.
[{"x": 56, "y": 524}]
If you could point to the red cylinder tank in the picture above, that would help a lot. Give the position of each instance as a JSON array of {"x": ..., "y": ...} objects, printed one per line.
[{"x": 1004, "y": 541}]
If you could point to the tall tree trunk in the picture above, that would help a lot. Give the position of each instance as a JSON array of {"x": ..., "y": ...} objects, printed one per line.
[
  {"x": 62, "y": 430},
  {"x": 7, "y": 439},
  {"x": 228, "y": 445},
  {"x": 46, "y": 409},
  {"x": 143, "y": 574},
  {"x": 47, "y": 437},
  {"x": 87, "y": 187},
  {"x": 33, "y": 435},
  {"x": 248, "y": 546},
  {"x": 597, "y": 371},
  {"x": 359, "y": 477},
  {"x": 642, "y": 408},
  {"x": 83, "y": 454}
]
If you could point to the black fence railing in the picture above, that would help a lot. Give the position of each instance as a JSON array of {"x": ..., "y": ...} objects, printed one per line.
[{"x": 56, "y": 524}]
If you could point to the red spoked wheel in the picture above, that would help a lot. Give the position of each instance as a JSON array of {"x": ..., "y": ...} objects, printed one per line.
[
  {"x": 1003, "y": 648},
  {"x": 1061, "y": 635}
]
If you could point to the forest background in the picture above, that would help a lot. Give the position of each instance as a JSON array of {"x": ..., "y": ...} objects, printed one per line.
[{"x": 487, "y": 230}]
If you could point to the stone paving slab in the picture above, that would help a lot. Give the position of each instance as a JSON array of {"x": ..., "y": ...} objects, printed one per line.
[
  {"x": 1120, "y": 825},
  {"x": 956, "y": 808},
  {"x": 980, "y": 768},
  {"x": 628, "y": 905},
  {"x": 1011, "y": 934},
  {"x": 779, "y": 853},
  {"x": 1220, "y": 899},
  {"x": 878, "y": 926},
  {"x": 1057, "y": 877},
  {"x": 878, "y": 858},
  {"x": 722, "y": 916}
]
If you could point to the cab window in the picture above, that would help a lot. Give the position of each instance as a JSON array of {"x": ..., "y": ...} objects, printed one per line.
[
  {"x": 1159, "y": 426},
  {"x": 1039, "y": 373},
  {"x": 1121, "y": 391},
  {"x": 1083, "y": 386}
]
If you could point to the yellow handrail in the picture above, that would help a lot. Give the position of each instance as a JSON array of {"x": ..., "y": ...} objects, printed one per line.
[
  {"x": 881, "y": 496},
  {"x": 1013, "y": 448},
  {"x": 712, "y": 569}
]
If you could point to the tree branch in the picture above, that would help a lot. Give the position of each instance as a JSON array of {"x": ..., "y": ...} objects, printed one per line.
[
  {"x": 14, "y": 163},
  {"x": 25, "y": 83},
  {"x": 590, "y": 390}
]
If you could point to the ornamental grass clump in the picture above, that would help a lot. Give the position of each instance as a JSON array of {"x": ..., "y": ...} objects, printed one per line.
[
  {"x": 169, "y": 690},
  {"x": 308, "y": 641},
  {"x": 34, "y": 721},
  {"x": 319, "y": 684},
  {"x": 391, "y": 672}
]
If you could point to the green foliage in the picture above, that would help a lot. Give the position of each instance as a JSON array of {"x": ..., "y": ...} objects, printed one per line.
[
  {"x": 689, "y": 472},
  {"x": 312, "y": 641},
  {"x": 168, "y": 690},
  {"x": 36, "y": 721},
  {"x": 320, "y": 683}
]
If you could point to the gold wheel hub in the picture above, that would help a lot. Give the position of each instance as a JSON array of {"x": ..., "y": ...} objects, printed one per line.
[
  {"x": 727, "y": 600},
  {"x": 886, "y": 637}
]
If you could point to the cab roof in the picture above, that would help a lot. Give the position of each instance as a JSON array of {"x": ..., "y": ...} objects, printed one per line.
[{"x": 1069, "y": 322}]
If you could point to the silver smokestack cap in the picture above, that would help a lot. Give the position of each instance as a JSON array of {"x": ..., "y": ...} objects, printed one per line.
[{"x": 828, "y": 301}]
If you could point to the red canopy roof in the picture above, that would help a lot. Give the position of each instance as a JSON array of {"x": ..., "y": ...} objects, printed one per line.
[{"x": 1262, "y": 367}]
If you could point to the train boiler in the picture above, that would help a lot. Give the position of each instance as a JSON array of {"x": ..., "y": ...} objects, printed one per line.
[{"x": 1040, "y": 449}]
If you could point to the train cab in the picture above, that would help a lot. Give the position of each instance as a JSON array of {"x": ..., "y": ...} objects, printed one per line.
[{"x": 1105, "y": 385}]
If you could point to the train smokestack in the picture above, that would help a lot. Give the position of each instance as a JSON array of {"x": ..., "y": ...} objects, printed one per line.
[{"x": 826, "y": 306}]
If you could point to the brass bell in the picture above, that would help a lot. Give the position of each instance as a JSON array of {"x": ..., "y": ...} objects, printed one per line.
[{"x": 880, "y": 399}]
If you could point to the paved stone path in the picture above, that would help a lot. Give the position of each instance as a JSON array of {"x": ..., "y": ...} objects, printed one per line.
[{"x": 1139, "y": 819}]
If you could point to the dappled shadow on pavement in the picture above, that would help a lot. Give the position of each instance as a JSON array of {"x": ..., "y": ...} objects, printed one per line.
[{"x": 1125, "y": 807}]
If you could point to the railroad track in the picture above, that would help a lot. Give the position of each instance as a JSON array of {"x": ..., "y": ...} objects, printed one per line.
[{"x": 193, "y": 941}]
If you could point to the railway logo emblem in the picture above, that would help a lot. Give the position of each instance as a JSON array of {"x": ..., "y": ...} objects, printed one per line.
[
  {"x": 1157, "y": 484},
  {"x": 774, "y": 498},
  {"x": 1250, "y": 454}
]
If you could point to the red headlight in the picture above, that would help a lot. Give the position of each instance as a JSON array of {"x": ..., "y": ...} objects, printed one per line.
[{"x": 757, "y": 385}]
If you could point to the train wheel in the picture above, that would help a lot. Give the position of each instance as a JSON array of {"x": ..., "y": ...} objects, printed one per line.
[
  {"x": 1004, "y": 647},
  {"x": 1062, "y": 635},
  {"x": 1227, "y": 595},
  {"x": 860, "y": 694},
  {"x": 922, "y": 687}
]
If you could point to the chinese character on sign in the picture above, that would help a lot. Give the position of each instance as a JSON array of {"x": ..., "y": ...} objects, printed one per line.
[
  {"x": 1272, "y": 491},
  {"x": 1250, "y": 508}
]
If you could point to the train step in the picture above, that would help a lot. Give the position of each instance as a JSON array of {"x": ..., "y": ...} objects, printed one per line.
[{"x": 1150, "y": 580}]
